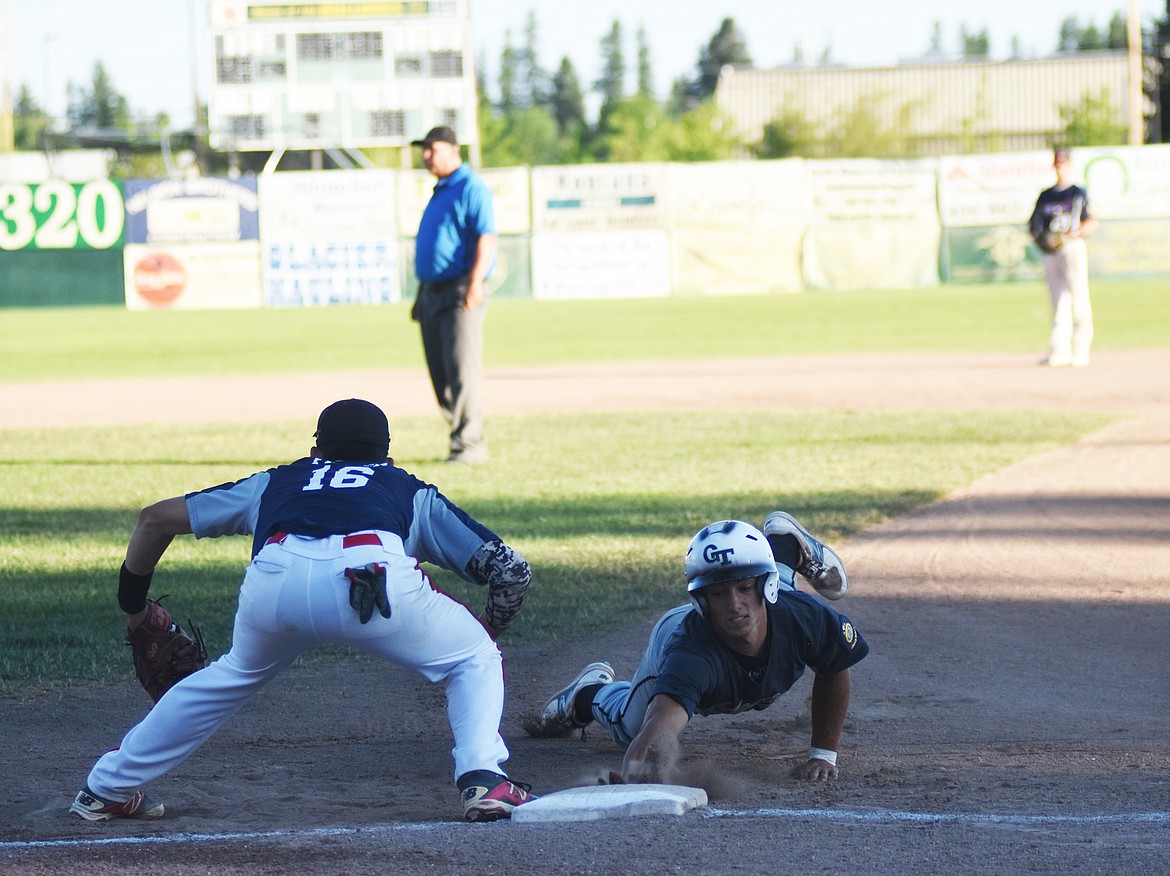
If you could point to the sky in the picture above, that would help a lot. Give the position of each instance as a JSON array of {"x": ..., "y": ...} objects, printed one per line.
[{"x": 154, "y": 50}]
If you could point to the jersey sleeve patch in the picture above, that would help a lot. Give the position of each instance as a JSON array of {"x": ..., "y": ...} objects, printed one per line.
[{"x": 848, "y": 634}]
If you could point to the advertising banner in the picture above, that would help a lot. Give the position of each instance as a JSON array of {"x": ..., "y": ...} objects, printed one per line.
[
  {"x": 1130, "y": 249},
  {"x": 599, "y": 197},
  {"x": 511, "y": 277},
  {"x": 999, "y": 254},
  {"x": 1126, "y": 182},
  {"x": 869, "y": 190},
  {"x": 192, "y": 276},
  {"x": 329, "y": 237},
  {"x": 61, "y": 215},
  {"x": 885, "y": 255},
  {"x": 199, "y": 209},
  {"x": 736, "y": 227},
  {"x": 975, "y": 191},
  {"x": 601, "y": 264},
  {"x": 511, "y": 198}
]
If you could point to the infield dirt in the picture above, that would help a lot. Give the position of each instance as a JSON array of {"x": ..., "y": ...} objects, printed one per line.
[{"x": 1012, "y": 716}]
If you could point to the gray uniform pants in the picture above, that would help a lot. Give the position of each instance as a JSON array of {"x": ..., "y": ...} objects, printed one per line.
[
  {"x": 452, "y": 341},
  {"x": 620, "y": 707}
]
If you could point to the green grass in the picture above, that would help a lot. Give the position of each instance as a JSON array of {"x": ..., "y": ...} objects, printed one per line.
[
  {"x": 601, "y": 505},
  {"x": 62, "y": 343}
]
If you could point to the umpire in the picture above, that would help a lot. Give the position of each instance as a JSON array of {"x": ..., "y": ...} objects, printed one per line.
[{"x": 455, "y": 251}]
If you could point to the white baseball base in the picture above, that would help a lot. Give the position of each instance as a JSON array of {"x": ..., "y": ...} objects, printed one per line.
[{"x": 595, "y": 802}]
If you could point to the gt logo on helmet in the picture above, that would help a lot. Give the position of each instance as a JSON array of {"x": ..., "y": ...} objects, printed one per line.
[{"x": 713, "y": 555}]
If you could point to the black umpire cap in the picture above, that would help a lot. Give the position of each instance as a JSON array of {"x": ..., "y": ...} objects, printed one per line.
[{"x": 441, "y": 134}]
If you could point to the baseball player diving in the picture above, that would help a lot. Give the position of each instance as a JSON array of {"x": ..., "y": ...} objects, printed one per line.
[
  {"x": 745, "y": 638},
  {"x": 337, "y": 540}
]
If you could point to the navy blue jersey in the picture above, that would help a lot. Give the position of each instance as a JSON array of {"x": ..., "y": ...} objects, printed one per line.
[
  {"x": 704, "y": 676},
  {"x": 318, "y": 498},
  {"x": 1059, "y": 210}
]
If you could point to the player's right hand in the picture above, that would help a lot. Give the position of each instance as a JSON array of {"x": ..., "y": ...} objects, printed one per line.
[{"x": 815, "y": 770}]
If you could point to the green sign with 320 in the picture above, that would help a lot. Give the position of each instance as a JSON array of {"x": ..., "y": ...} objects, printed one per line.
[{"x": 61, "y": 215}]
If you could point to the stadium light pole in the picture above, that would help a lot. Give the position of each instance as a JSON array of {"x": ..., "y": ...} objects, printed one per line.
[
  {"x": 1133, "y": 29},
  {"x": 7, "y": 123}
]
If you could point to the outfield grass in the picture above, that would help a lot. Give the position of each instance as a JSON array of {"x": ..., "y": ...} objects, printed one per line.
[
  {"x": 601, "y": 505},
  {"x": 59, "y": 343}
]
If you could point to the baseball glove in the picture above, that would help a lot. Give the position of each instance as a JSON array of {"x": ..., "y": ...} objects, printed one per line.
[
  {"x": 1049, "y": 241},
  {"x": 163, "y": 652}
]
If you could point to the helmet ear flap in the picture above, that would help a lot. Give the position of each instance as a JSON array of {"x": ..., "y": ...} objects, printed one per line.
[
  {"x": 700, "y": 603},
  {"x": 770, "y": 586},
  {"x": 772, "y": 583}
]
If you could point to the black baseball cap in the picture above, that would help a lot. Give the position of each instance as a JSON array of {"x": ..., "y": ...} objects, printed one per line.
[
  {"x": 353, "y": 420},
  {"x": 441, "y": 134}
]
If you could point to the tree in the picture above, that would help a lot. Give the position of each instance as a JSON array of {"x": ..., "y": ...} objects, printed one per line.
[
  {"x": 30, "y": 121},
  {"x": 532, "y": 82},
  {"x": 611, "y": 85},
  {"x": 645, "y": 68},
  {"x": 528, "y": 137},
  {"x": 1117, "y": 37},
  {"x": 726, "y": 47},
  {"x": 1090, "y": 39},
  {"x": 974, "y": 44},
  {"x": 568, "y": 101},
  {"x": 790, "y": 133},
  {"x": 1161, "y": 49},
  {"x": 507, "y": 80},
  {"x": 640, "y": 129},
  {"x": 936, "y": 40},
  {"x": 1075, "y": 38},
  {"x": 101, "y": 107},
  {"x": 1093, "y": 121}
]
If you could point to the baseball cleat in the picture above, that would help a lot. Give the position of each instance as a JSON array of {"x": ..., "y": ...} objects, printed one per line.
[
  {"x": 819, "y": 564},
  {"x": 91, "y": 807},
  {"x": 558, "y": 716},
  {"x": 481, "y": 803}
]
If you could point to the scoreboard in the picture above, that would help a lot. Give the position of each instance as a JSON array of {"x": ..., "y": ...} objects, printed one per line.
[{"x": 338, "y": 75}]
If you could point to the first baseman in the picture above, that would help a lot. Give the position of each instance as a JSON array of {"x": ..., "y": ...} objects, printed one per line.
[
  {"x": 337, "y": 539},
  {"x": 744, "y": 639}
]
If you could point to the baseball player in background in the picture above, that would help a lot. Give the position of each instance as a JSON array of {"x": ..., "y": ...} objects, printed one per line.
[
  {"x": 745, "y": 638},
  {"x": 1059, "y": 224},
  {"x": 337, "y": 539}
]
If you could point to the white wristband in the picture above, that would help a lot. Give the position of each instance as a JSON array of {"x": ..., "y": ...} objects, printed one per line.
[{"x": 823, "y": 754}]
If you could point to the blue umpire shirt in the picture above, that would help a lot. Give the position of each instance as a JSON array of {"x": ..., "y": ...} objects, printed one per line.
[{"x": 459, "y": 213}]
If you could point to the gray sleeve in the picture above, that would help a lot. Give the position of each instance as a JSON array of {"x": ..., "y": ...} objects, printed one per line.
[
  {"x": 229, "y": 509},
  {"x": 443, "y": 535}
]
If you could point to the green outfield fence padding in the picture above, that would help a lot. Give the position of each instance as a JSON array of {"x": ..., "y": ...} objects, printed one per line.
[{"x": 61, "y": 277}]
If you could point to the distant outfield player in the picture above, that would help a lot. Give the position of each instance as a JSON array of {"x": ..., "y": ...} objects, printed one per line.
[
  {"x": 745, "y": 638},
  {"x": 1059, "y": 224}
]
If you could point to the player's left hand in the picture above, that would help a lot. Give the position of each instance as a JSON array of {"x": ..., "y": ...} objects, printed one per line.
[{"x": 815, "y": 770}]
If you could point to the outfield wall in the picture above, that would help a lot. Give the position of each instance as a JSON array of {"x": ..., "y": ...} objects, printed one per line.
[{"x": 651, "y": 229}]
